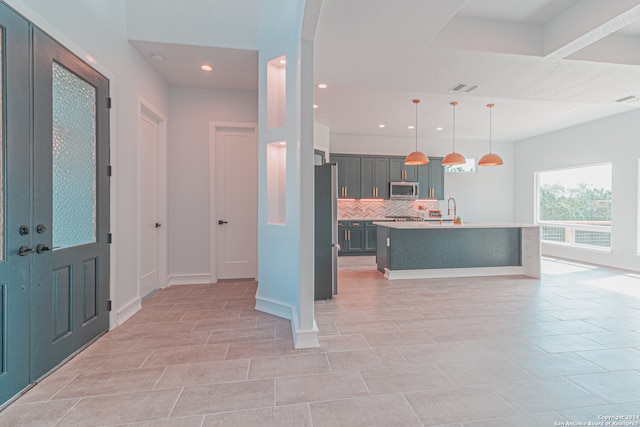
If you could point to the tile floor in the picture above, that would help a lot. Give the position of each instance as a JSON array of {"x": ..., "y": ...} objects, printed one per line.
[{"x": 472, "y": 352}]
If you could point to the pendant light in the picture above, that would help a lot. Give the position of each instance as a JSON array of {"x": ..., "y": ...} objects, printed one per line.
[
  {"x": 490, "y": 159},
  {"x": 454, "y": 158},
  {"x": 416, "y": 157}
]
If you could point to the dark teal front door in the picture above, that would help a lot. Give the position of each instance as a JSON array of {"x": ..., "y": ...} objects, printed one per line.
[
  {"x": 70, "y": 274},
  {"x": 15, "y": 206},
  {"x": 54, "y": 269}
]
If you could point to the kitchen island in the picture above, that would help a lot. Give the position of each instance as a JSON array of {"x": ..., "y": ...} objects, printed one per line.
[{"x": 417, "y": 249}]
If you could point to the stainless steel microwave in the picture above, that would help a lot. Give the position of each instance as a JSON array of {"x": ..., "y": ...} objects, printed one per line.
[{"x": 403, "y": 190}]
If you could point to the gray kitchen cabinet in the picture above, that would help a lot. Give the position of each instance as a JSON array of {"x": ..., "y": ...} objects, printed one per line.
[
  {"x": 348, "y": 175},
  {"x": 370, "y": 233},
  {"x": 431, "y": 179},
  {"x": 351, "y": 237},
  {"x": 398, "y": 171},
  {"x": 374, "y": 177}
]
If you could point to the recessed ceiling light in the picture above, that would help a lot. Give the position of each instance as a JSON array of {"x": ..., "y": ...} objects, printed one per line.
[
  {"x": 382, "y": 126},
  {"x": 411, "y": 127},
  {"x": 206, "y": 67},
  {"x": 439, "y": 128},
  {"x": 315, "y": 105},
  {"x": 157, "y": 56},
  {"x": 322, "y": 86},
  {"x": 283, "y": 61}
]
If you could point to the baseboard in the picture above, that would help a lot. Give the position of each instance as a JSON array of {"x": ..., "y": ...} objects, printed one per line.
[
  {"x": 301, "y": 338},
  {"x": 440, "y": 273},
  {"x": 304, "y": 338},
  {"x": 128, "y": 310},
  {"x": 189, "y": 279},
  {"x": 275, "y": 308}
]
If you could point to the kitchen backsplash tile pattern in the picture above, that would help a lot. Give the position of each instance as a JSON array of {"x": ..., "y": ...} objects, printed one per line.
[{"x": 378, "y": 209}]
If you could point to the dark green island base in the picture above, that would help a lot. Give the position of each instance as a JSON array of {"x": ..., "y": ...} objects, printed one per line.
[{"x": 412, "y": 250}]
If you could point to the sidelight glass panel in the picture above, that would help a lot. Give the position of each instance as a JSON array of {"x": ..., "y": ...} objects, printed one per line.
[
  {"x": 74, "y": 159},
  {"x": 1, "y": 150}
]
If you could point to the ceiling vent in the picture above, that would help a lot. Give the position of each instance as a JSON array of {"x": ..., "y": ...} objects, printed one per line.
[
  {"x": 464, "y": 88},
  {"x": 627, "y": 99}
]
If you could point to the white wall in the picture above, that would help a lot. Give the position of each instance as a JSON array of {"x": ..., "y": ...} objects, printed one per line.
[
  {"x": 322, "y": 138},
  {"x": 191, "y": 111},
  {"x": 613, "y": 139},
  {"x": 485, "y": 196},
  {"x": 98, "y": 28},
  {"x": 285, "y": 251}
]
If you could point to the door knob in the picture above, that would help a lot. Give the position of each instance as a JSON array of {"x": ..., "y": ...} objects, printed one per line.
[
  {"x": 25, "y": 250},
  {"x": 42, "y": 248},
  {"x": 158, "y": 225},
  {"x": 222, "y": 222}
]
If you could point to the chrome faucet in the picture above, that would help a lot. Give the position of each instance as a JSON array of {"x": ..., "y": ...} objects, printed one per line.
[{"x": 449, "y": 207}]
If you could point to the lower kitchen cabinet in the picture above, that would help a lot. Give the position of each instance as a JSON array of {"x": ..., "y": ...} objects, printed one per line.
[
  {"x": 370, "y": 236},
  {"x": 352, "y": 238}
]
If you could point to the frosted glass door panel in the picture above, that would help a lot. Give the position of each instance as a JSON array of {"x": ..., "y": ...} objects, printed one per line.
[{"x": 74, "y": 159}]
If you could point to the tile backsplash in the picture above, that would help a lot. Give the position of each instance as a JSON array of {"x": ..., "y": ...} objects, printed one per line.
[{"x": 378, "y": 209}]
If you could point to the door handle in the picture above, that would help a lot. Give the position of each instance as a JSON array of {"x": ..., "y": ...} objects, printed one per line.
[
  {"x": 25, "y": 250},
  {"x": 158, "y": 225},
  {"x": 42, "y": 248},
  {"x": 222, "y": 222}
]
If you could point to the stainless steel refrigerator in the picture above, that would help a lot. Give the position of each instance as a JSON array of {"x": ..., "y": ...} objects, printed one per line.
[{"x": 326, "y": 231}]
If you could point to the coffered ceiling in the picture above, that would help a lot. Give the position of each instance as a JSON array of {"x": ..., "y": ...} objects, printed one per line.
[{"x": 545, "y": 64}]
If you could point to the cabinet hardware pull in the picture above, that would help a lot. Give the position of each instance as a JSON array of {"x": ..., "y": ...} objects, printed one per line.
[
  {"x": 373, "y": 191},
  {"x": 349, "y": 234}
]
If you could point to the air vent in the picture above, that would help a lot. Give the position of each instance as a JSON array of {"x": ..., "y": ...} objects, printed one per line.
[
  {"x": 464, "y": 87},
  {"x": 628, "y": 99}
]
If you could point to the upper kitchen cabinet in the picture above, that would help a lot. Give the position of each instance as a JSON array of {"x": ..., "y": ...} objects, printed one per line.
[
  {"x": 374, "y": 177},
  {"x": 398, "y": 171},
  {"x": 348, "y": 175},
  {"x": 431, "y": 179}
]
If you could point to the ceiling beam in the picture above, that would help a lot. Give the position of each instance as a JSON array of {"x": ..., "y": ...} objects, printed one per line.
[{"x": 585, "y": 23}]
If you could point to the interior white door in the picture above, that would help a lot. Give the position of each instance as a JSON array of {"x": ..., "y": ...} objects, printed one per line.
[
  {"x": 149, "y": 207},
  {"x": 236, "y": 200}
]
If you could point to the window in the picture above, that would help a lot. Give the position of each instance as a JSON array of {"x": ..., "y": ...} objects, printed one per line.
[
  {"x": 469, "y": 167},
  {"x": 574, "y": 206}
]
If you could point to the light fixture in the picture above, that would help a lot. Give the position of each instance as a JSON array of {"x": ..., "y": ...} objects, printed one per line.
[
  {"x": 454, "y": 158},
  {"x": 322, "y": 86},
  {"x": 416, "y": 157},
  {"x": 206, "y": 67},
  {"x": 382, "y": 125},
  {"x": 490, "y": 159}
]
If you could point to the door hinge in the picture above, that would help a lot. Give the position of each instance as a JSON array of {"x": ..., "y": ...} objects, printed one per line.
[
  {"x": 109, "y": 305},
  {"x": 109, "y": 170},
  {"x": 108, "y": 102},
  {"x": 109, "y": 238}
]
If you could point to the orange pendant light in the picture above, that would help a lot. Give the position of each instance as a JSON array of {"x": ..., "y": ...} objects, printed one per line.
[
  {"x": 490, "y": 159},
  {"x": 454, "y": 158},
  {"x": 416, "y": 157}
]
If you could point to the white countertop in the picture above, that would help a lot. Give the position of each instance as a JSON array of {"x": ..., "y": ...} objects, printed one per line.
[{"x": 446, "y": 224}]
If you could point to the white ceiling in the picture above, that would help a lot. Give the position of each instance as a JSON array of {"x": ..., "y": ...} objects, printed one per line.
[{"x": 545, "y": 64}]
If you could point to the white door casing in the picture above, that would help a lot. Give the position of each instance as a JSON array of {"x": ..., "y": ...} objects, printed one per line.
[
  {"x": 152, "y": 250},
  {"x": 234, "y": 200}
]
